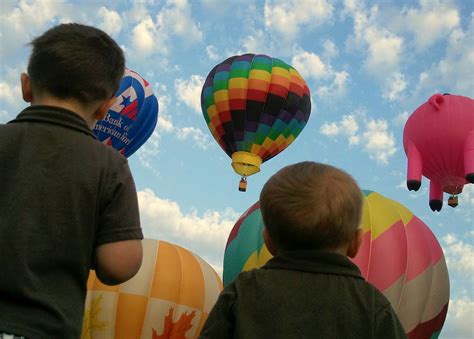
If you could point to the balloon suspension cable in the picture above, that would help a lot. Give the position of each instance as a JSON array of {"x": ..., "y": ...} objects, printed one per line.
[
  {"x": 453, "y": 201},
  {"x": 243, "y": 184}
]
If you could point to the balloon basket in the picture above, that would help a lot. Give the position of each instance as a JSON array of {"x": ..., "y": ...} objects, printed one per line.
[
  {"x": 243, "y": 184},
  {"x": 453, "y": 201}
]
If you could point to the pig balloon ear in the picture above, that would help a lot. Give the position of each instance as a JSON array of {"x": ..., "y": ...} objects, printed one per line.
[{"x": 436, "y": 101}]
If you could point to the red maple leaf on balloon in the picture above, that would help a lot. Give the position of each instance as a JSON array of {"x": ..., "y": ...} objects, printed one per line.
[{"x": 175, "y": 330}]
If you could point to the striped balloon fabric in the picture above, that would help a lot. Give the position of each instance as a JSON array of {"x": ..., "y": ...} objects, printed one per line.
[
  {"x": 170, "y": 297},
  {"x": 399, "y": 255},
  {"x": 255, "y": 106}
]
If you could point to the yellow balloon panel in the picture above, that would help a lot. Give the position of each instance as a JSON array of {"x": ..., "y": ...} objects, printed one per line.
[
  {"x": 385, "y": 214},
  {"x": 257, "y": 261}
]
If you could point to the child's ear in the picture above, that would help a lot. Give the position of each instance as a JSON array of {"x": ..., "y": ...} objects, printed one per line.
[
  {"x": 269, "y": 242},
  {"x": 355, "y": 243},
  {"x": 104, "y": 108},
  {"x": 26, "y": 87}
]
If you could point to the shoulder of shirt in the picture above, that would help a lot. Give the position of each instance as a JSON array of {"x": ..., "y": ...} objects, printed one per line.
[
  {"x": 381, "y": 300},
  {"x": 111, "y": 152}
]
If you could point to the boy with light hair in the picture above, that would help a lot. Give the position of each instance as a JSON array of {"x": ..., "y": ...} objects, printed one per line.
[{"x": 309, "y": 289}]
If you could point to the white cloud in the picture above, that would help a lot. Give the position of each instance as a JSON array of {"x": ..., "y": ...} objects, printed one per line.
[
  {"x": 150, "y": 149},
  {"x": 384, "y": 48},
  {"x": 259, "y": 42},
  {"x": 212, "y": 53},
  {"x": 422, "y": 24},
  {"x": 330, "y": 49},
  {"x": 337, "y": 87},
  {"x": 402, "y": 185},
  {"x": 401, "y": 118},
  {"x": 287, "y": 17},
  {"x": 309, "y": 65},
  {"x": 111, "y": 21},
  {"x": 10, "y": 94},
  {"x": 189, "y": 91},
  {"x": 179, "y": 18},
  {"x": 379, "y": 142},
  {"x": 466, "y": 203},
  {"x": 433, "y": 21},
  {"x": 137, "y": 12},
  {"x": 390, "y": 35},
  {"x": 200, "y": 138},
  {"x": 395, "y": 85},
  {"x": 330, "y": 129},
  {"x": 161, "y": 92},
  {"x": 459, "y": 319},
  {"x": 450, "y": 72},
  {"x": 467, "y": 197},
  {"x": 27, "y": 18},
  {"x": 203, "y": 233},
  {"x": 4, "y": 117},
  {"x": 459, "y": 255},
  {"x": 165, "y": 124},
  {"x": 348, "y": 127},
  {"x": 146, "y": 39},
  {"x": 376, "y": 139},
  {"x": 175, "y": 19}
]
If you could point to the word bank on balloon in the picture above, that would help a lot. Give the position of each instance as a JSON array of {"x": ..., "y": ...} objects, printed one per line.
[{"x": 132, "y": 118}]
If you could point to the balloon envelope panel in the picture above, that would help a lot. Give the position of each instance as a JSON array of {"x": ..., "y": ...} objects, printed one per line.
[
  {"x": 131, "y": 120},
  {"x": 399, "y": 255},
  {"x": 171, "y": 295},
  {"x": 255, "y": 103}
]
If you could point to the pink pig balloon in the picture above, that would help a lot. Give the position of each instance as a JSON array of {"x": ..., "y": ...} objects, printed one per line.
[{"x": 438, "y": 139}]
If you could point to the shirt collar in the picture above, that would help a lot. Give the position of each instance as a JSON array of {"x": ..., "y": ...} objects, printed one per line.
[
  {"x": 315, "y": 262},
  {"x": 54, "y": 115}
]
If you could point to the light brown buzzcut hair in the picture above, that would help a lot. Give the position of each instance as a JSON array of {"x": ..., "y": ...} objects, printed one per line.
[{"x": 310, "y": 205}]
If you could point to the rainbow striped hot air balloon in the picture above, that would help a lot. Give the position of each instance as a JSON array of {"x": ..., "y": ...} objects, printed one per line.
[
  {"x": 132, "y": 118},
  {"x": 255, "y": 106},
  {"x": 399, "y": 255},
  {"x": 170, "y": 297}
]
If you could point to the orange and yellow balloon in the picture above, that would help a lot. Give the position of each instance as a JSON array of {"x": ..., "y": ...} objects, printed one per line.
[{"x": 170, "y": 297}]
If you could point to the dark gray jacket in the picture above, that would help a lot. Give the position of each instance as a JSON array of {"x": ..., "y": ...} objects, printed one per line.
[
  {"x": 307, "y": 294},
  {"x": 62, "y": 194}
]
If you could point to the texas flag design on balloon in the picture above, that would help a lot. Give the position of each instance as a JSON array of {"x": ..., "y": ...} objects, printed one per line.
[{"x": 132, "y": 118}]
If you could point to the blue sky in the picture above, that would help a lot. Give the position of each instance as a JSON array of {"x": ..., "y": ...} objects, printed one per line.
[{"x": 368, "y": 65}]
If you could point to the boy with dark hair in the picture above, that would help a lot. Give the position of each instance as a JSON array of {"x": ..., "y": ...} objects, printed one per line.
[
  {"x": 309, "y": 289},
  {"x": 69, "y": 202}
]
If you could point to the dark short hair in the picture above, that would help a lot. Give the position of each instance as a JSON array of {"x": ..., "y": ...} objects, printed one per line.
[
  {"x": 310, "y": 205},
  {"x": 74, "y": 61}
]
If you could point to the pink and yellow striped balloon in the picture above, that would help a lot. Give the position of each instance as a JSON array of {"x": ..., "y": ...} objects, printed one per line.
[
  {"x": 170, "y": 297},
  {"x": 399, "y": 255}
]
